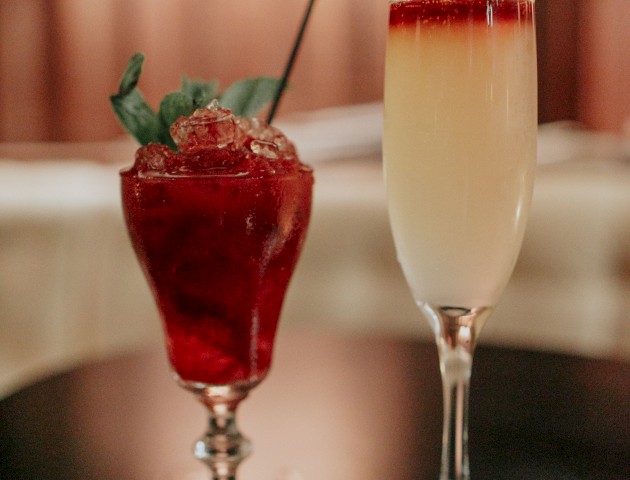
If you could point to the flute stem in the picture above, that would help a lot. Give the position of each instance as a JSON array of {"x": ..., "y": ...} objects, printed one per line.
[
  {"x": 456, "y": 331},
  {"x": 456, "y": 367}
]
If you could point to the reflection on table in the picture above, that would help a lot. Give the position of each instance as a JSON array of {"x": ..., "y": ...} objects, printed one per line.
[{"x": 334, "y": 407}]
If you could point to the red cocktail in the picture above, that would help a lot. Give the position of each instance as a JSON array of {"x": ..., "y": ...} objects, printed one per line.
[
  {"x": 218, "y": 230},
  {"x": 218, "y": 225}
]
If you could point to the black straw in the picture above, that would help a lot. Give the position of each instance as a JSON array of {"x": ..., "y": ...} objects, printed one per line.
[{"x": 289, "y": 66}]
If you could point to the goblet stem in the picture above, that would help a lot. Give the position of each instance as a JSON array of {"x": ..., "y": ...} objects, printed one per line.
[
  {"x": 456, "y": 331},
  {"x": 223, "y": 447}
]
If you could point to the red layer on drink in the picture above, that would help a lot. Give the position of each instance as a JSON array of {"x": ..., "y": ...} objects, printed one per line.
[
  {"x": 423, "y": 12},
  {"x": 218, "y": 245}
]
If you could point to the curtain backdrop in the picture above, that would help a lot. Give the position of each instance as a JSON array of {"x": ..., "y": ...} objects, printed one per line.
[{"x": 60, "y": 59}]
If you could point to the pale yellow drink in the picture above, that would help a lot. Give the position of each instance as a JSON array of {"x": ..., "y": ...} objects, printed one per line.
[{"x": 459, "y": 150}]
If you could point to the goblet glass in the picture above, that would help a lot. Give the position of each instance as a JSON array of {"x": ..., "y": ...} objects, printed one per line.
[
  {"x": 218, "y": 233},
  {"x": 459, "y": 150}
]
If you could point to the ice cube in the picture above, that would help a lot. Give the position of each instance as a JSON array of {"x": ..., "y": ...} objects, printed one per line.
[
  {"x": 207, "y": 128},
  {"x": 152, "y": 157},
  {"x": 264, "y": 148},
  {"x": 264, "y": 134}
]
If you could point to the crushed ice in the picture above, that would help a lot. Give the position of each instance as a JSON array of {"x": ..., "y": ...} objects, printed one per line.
[{"x": 213, "y": 137}]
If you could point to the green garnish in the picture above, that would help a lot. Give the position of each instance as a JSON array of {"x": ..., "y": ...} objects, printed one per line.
[{"x": 244, "y": 97}]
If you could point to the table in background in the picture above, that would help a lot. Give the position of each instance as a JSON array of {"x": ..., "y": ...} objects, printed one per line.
[{"x": 333, "y": 408}]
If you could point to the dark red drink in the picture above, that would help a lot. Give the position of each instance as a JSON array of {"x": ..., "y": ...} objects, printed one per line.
[
  {"x": 217, "y": 228},
  {"x": 424, "y": 12}
]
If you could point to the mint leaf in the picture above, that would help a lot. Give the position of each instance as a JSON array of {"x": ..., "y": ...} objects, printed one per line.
[
  {"x": 131, "y": 108},
  {"x": 246, "y": 97},
  {"x": 201, "y": 92},
  {"x": 131, "y": 74},
  {"x": 137, "y": 117},
  {"x": 173, "y": 106}
]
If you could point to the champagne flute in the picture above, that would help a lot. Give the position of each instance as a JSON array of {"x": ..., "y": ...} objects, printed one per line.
[{"x": 459, "y": 151}]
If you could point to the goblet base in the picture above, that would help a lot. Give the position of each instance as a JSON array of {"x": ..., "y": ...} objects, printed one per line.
[{"x": 185, "y": 472}]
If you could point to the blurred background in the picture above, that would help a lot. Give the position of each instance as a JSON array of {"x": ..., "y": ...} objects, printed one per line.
[
  {"x": 70, "y": 288},
  {"x": 60, "y": 59}
]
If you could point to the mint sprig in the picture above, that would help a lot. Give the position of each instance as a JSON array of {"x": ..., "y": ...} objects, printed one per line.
[
  {"x": 250, "y": 95},
  {"x": 244, "y": 97}
]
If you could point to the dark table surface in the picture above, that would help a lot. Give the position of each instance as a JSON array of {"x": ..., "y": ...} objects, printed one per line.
[{"x": 333, "y": 407}]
